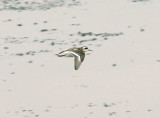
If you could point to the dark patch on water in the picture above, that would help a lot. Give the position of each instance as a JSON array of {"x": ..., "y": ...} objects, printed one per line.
[
  {"x": 4, "y": 80},
  {"x": 44, "y": 30},
  {"x": 53, "y": 29},
  {"x": 36, "y": 115},
  {"x": 35, "y": 23},
  {"x": 36, "y": 5},
  {"x": 7, "y": 20},
  {"x": 30, "y": 110},
  {"x": 105, "y": 38},
  {"x": 5, "y": 47},
  {"x": 128, "y": 111},
  {"x": 105, "y": 35},
  {"x": 114, "y": 65},
  {"x": 19, "y": 24},
  {"x": 30, "y": 61},
  {"x": 35, "y": 40},
  {"x": 12, "y": 73},
  {"x": 52, "y": 44},
  {"x": 108, "y": 34},
  {"x": 30, "y": 53},
  {"x": 158, "y": 60},
  {"x": 112, "y": 113},
  {"x": 24, "y": 37},
  {"x": 91, "y": 105},
  {"x": 75, "y": 24},
  {"x": 47, "y": 110},
  {"x": 142, "y": 30},
  {"x": 45, "y": 21},
  {"x": 23, "y": 110},
  {"x": 82, "y": 41},
  {"x": 74, "y": 45},
  {"x": 44, "y": 51},
  {"x": 140, "y": 0},
  {"x": 42, "y": 41},
  {"x": 19, "y": 54},
  {"x": 14, "y": 40},
  {"x": 85, "y": 34},
  {"x": 149, "y": 110},
  {"x": 106, "y": 105}
]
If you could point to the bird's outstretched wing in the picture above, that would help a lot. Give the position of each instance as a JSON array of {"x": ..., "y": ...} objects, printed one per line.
[
  {"x": 78, "y": 59},
  {"x": 77, "y": 62},
  {"x": 82, "y": 55}
]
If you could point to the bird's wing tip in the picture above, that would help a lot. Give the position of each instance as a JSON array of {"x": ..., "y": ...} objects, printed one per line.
[{"x": 76, "y": 68}]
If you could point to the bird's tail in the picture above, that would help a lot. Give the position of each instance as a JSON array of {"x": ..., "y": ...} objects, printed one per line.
[{"x": 59, "y": 55}]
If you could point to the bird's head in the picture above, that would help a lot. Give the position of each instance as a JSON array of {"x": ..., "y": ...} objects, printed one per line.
[{"x": 85, "y": 48}]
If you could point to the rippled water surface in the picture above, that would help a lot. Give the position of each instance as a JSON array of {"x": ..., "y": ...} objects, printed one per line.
[{"x": 119, "y": 78}]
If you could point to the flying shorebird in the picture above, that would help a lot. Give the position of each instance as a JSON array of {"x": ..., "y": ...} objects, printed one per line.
[{"x": 77, "y": 53}]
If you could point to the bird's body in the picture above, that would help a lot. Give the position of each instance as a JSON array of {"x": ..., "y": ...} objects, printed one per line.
[{"x": 77, "y": 53}]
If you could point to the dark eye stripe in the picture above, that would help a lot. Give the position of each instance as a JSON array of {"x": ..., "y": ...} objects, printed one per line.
[{"x": 85, "y": 47}]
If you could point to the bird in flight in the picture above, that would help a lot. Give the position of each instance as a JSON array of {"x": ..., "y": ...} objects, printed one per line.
[{"x": 77, "y": 52}]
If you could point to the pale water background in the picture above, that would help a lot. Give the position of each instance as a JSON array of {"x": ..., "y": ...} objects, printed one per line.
[{"x": 119, "y": 79}]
